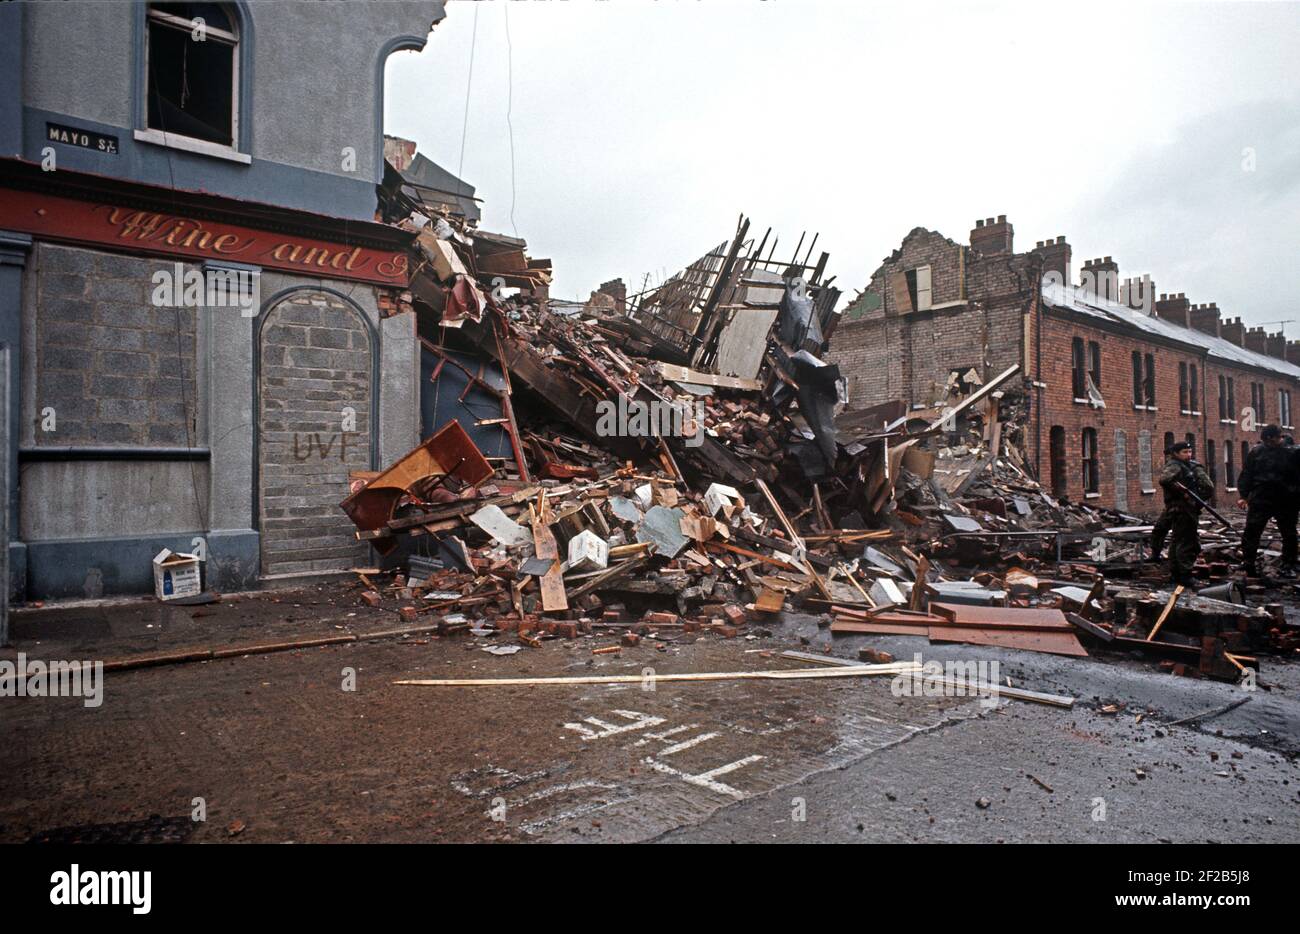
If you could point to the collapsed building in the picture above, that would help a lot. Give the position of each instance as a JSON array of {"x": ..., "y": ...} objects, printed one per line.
[{"x": 1112, "y": 371}]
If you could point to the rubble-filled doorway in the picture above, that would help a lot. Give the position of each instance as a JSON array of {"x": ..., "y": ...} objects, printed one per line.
[
  {"x": 314, "y": 409},
  {"x": 1057, "y": 462}
]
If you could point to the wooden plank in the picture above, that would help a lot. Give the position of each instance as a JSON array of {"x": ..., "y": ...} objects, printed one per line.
[
  {"x": 544, "y": 546},
  {"x": 1053, "y": 643},
  {"x": 1164, "y": 614},
  {"x": 683, "y": 374},
  {"x": 805, "y": 674},
  {"x": 1037, "y": 697}
]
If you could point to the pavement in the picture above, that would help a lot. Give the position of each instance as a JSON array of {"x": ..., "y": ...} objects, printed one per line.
[{"x": 319, "y": 745}]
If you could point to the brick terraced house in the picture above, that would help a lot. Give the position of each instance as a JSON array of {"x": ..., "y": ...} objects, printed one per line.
[{"x": 1112, "y": 373}]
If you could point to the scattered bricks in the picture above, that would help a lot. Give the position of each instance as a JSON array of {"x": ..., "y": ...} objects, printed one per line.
[
  {"x": 691, "y": 625},
  {"x": 409, "y": 614},
  {"x": 584, "y": 624},
  {"x": 662, "y": 619},
  {"x": 508, "y": 624},
  {"x": 631, "y": 638},
  {"x": 566, "y": 629},
  {"x": 874, "y": 656},
  {"x": 370, "y": 598},
  {"x": 611, "y": 616},
  {"x": 727, "y": 632},
  {"x": 735, "y": 614},
  {"x": 607, "y": 650},
  {"x": 446, "y": 629}
]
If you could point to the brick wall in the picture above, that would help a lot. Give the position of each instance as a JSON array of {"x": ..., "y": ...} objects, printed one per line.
[
  {"x": 115, "y": 369},
  {"x": 315, "y": 362},
  {"x": 889, "y": 351}
]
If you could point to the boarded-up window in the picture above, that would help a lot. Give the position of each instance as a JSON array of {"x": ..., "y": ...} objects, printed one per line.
[
  {"x": 1121, "y": 470},
  {"x": 1144, "y": 462}
]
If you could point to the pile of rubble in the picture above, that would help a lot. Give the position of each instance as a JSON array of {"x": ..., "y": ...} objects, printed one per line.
[{"x": 674, "y": 463}]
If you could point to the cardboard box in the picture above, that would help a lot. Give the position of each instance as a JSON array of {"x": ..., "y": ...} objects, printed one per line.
[{"x": 176, "y": 575}]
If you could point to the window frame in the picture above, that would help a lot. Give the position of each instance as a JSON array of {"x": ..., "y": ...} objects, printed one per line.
[
  {"x": 1090, "y": 458},
  {"x": 237, "y": 41}
]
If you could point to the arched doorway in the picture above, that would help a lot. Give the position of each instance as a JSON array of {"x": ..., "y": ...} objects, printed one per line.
[{"x": 315, "y": 425}]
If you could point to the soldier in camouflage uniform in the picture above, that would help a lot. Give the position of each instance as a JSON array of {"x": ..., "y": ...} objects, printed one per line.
[
  {"x": 1270, "y": 489},
  {"x": 1181, "y": 511}
]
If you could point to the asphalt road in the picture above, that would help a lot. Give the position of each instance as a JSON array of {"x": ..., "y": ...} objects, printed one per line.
[{"x": 276, "y": 748}]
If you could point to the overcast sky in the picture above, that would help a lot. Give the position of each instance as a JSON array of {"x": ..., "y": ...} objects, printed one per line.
[{"x": 643, "y": 129}]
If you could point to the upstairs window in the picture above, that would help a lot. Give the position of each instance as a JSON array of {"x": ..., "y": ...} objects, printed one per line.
[
  {"x": 1211, "y": 467},
  {"x": 1183, "y": 388},
  {"x": 1139, "y": 397},
  {"x": 1079, "y": 369},
  {"x": 192, "y": 72},
  {"x": 1194, "y": 389},
  {"x": 1149, "y": 384},
  {"x": 1223, "y": 398},
  {"x": 1229, "y": 465},
  {"x": 1094, "y": 364}
]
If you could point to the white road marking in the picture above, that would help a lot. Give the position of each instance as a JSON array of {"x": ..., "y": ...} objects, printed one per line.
[
  {"x": 687, "y": 744},
  {"x": 705, "y": 779}
]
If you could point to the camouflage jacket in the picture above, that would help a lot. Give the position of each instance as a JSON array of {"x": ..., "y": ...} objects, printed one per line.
[
  {"x": 1193, "y": 476},
  {"x": 1270, "y": 472}
]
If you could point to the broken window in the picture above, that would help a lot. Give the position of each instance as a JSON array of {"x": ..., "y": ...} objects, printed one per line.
[
  {"x": 1150, "y": 382},
  {"x": 1211, "y": 465},
  {"x": 1139, "y": 396},
  {"x": 1169, "y": 441},
  {"x": 1079, "y": 370},
  {"x": 1182, "y": 387},
  {"x": 1091, "y": 463},
  {"x": 918, "y": 287},
  {"x": 192, "y": 69},
  {"x": 1094, "y": 364},
  {"x": 1232, "y": 401},
  {"x": 1193, "y": 389},
  {"x": 1229, "y": 465},
  {"x": 1223, "y": 399}
]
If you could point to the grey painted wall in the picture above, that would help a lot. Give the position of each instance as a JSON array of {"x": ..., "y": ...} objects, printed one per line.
[
  {"x": 314, "y": 75},
  {"x": 90, "y": 526}
]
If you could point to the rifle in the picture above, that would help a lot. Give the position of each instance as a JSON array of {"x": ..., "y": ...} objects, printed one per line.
[{"x": 1202, "y": 503}]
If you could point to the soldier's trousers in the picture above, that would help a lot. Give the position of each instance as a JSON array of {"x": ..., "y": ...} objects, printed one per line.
[
  {"x": 1280, "y": 510},
  {"x": 1160, "y": 532},
  {"x": 1184, "y": 546}
]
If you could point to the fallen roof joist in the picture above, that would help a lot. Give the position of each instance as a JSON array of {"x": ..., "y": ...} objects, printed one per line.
[{"x": 857, "y": 671}]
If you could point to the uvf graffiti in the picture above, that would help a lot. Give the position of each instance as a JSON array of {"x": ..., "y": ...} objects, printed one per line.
[{"x": 304, "y": 444}]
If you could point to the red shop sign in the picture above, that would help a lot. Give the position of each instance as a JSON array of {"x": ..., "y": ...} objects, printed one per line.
[{"x": 55, "y": 218}]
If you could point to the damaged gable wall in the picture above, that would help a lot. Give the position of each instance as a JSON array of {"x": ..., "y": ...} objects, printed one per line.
[{"x": 889, "y": 348}]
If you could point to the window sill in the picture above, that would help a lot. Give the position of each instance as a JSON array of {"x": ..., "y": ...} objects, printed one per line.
[
  {"x": 1092, "y": 496},
  {"x": 190, "y": 144},
  {"x": 1231, "y": 489},
  {"x": 1079, "y": 401},
  {"x": 1227, "y": 421},
  {"x": 1148, "y": 492}
]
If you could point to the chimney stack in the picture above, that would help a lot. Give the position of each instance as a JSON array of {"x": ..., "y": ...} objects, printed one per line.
[
  {"x": 1256, "y": 340},
  {"x": 1293, "y": 352},
  {"x": 1139, "y": 294},
  {"x": 1056, "y": 257},
  {"x": 992, "y": 236},
  {"x": 1205, "y": 318},
  {"x": 1174, "y": 308},
  {"x": 1275, "y": 346},
  {"x": 1101, "y": 278},
  {"x": 1233, "y": 330}
]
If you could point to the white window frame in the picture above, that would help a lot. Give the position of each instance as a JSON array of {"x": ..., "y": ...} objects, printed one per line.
[{"x": 179, "y": 141}]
